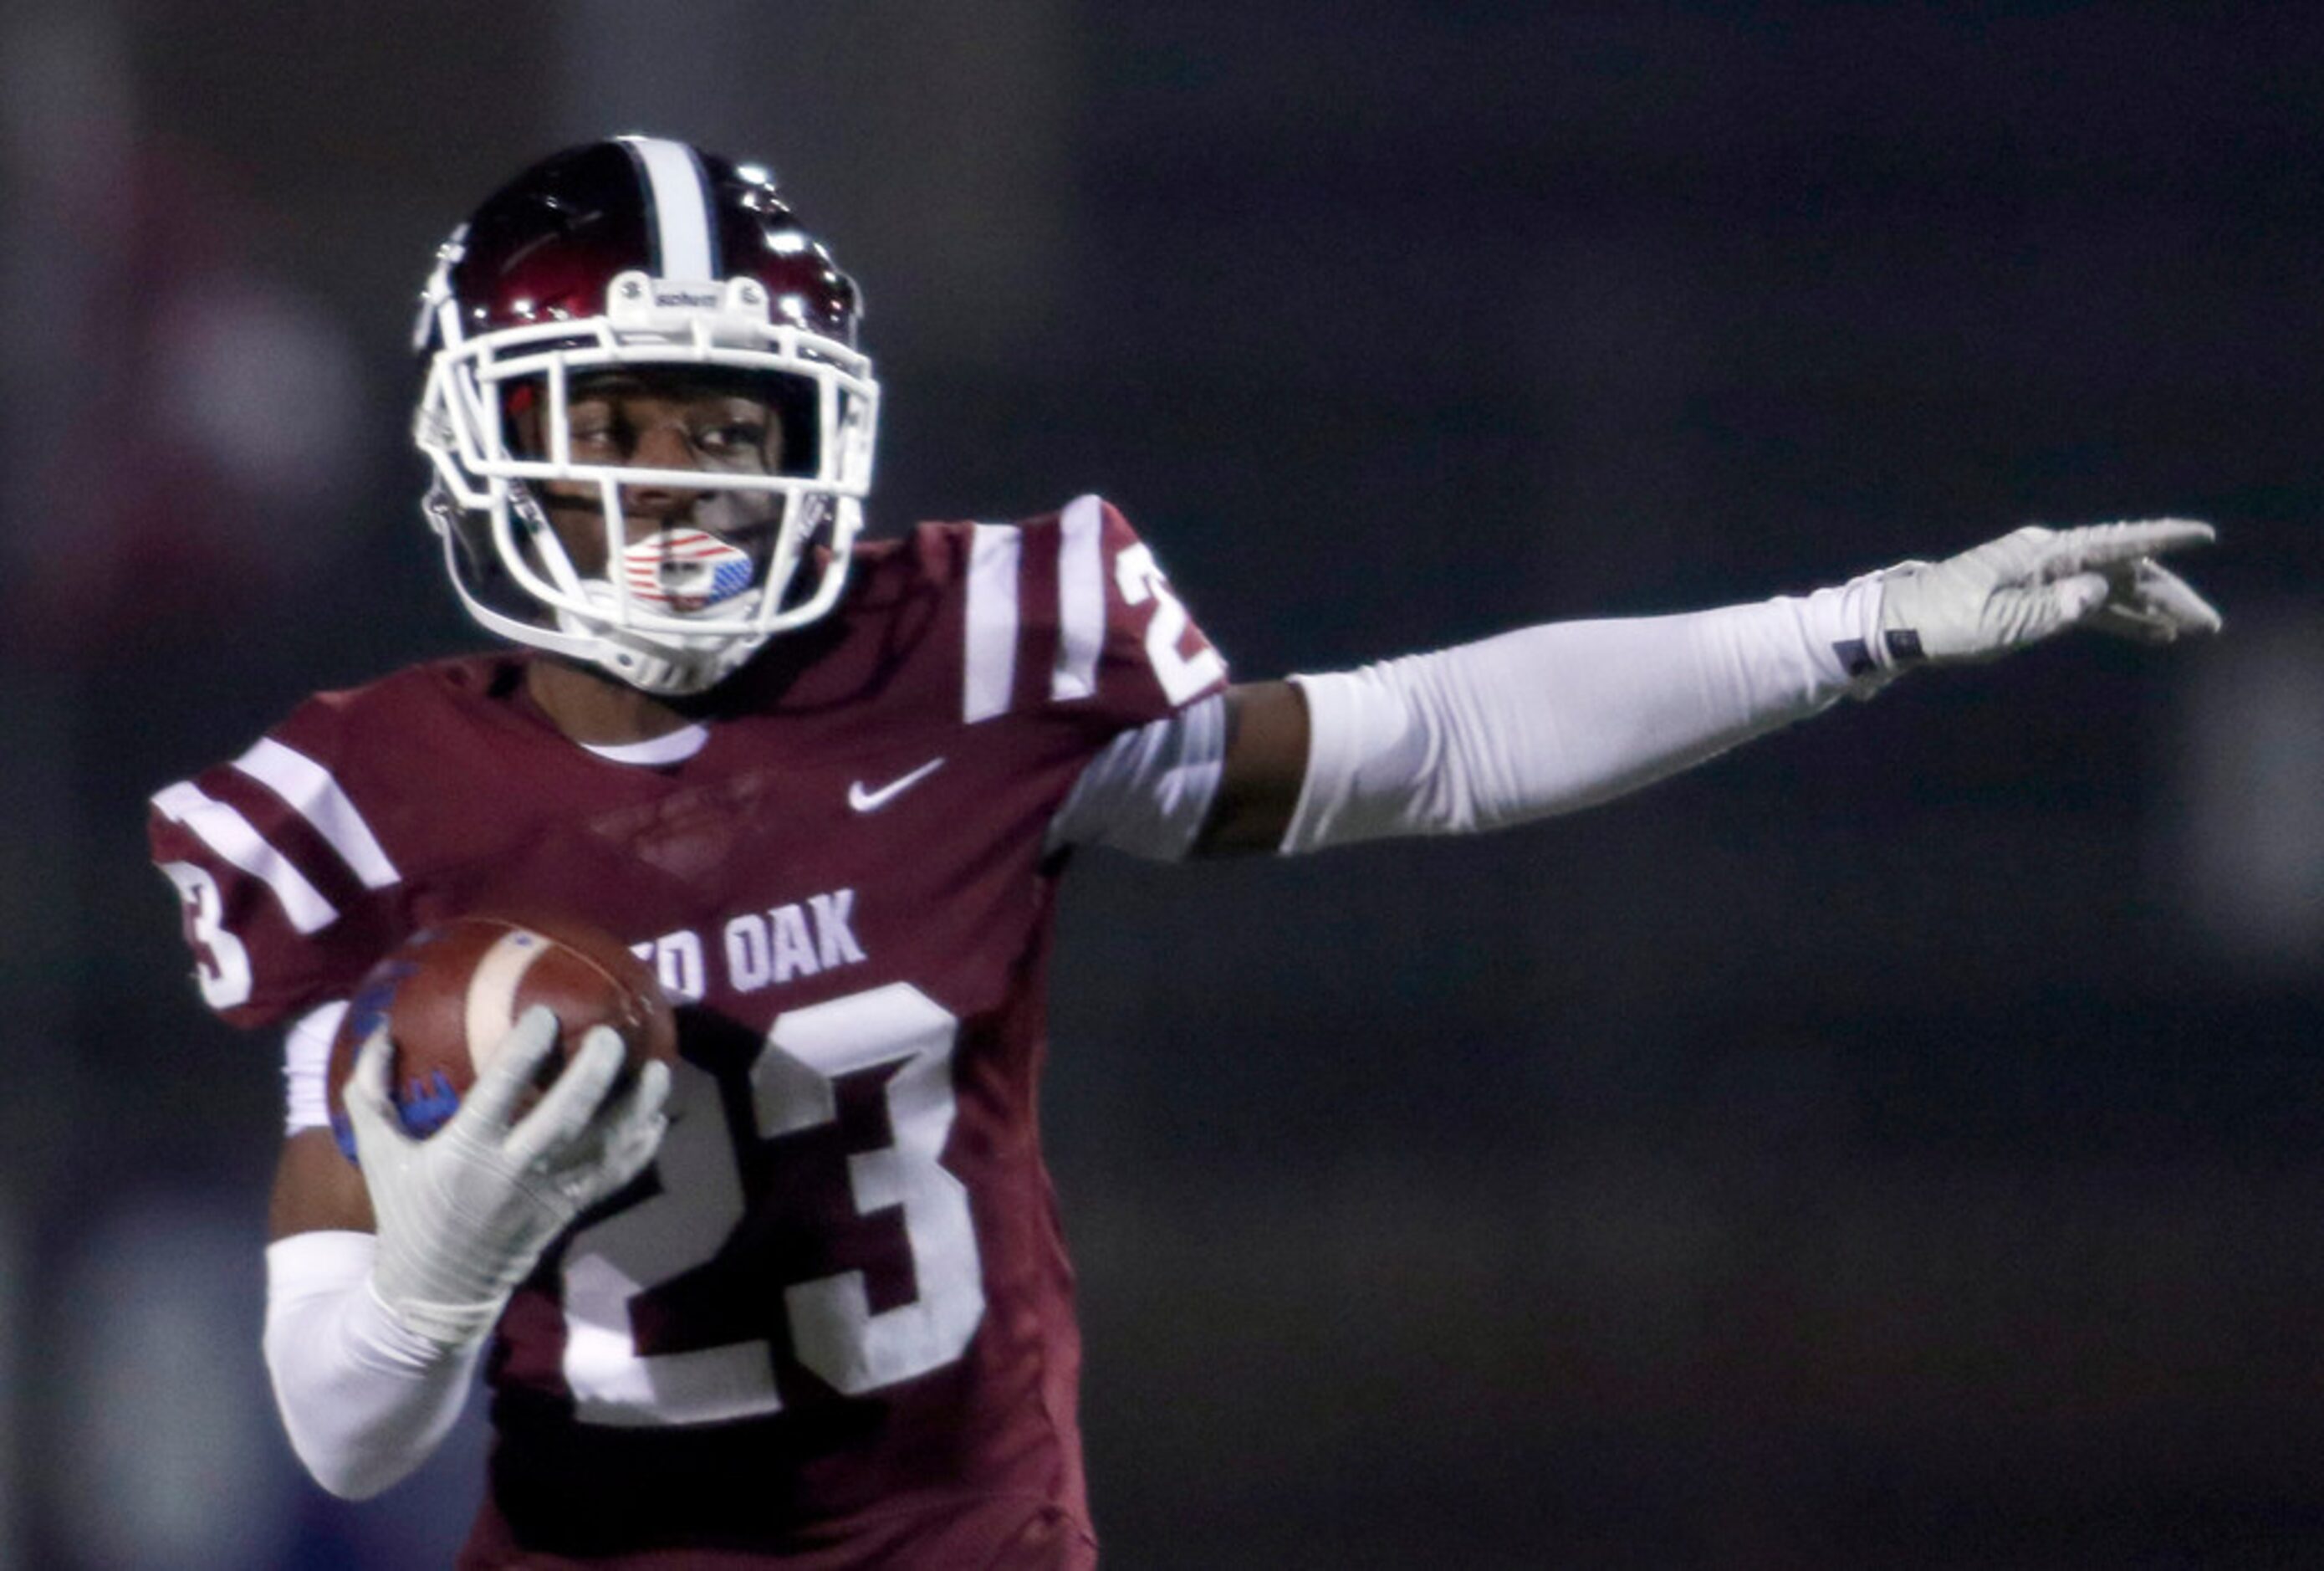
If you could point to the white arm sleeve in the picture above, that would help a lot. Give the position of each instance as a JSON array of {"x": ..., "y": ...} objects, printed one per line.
[
  {"x": 305, "y": 1059},
  {"x": 1552, "y": 719},
  {"x": 364, "y": 1400},
  {"x": 1150, "y": 790}
]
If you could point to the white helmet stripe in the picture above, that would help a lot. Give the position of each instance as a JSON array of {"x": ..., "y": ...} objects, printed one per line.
[{"x": 680, "y": 198}]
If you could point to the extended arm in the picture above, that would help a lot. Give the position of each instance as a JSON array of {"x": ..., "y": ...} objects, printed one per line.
[{"x": 1552, "y": 718}]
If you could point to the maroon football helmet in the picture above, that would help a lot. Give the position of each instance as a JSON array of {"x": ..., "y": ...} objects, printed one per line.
[{"x": 663, "y": 264}]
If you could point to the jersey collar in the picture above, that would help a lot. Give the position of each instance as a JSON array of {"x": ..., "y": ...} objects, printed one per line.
[{"x": 672, "y": 747}]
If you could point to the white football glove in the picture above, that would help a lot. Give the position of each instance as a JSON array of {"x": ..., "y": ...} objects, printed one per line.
[
  {"x": 465, "y": 1213},
  {"x": 2028, "y": 585}
]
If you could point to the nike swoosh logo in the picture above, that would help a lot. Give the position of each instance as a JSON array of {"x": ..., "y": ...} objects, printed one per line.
[{"x": 864, "y": 799}]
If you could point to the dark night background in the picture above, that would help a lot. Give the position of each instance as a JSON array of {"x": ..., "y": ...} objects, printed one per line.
[{"x": 1893, "y": 1144}]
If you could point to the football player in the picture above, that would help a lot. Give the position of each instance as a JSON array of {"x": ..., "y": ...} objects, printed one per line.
[{"x": 824, "y": 1317}]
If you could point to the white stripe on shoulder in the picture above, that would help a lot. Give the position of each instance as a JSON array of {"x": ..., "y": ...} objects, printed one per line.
[
  {"x": 988, "y": 665},
  {"x": 1081, "y": 599},
  {"x": 311, "y": 792},
  {"x": 681, "y": 204},
  {"x": 230, "y": 834}
]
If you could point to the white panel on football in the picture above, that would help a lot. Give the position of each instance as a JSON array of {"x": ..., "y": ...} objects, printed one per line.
[{"x": 491, "y": 1003}]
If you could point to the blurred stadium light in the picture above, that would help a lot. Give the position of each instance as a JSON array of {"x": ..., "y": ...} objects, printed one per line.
[{"x": 2250, "y": 754}]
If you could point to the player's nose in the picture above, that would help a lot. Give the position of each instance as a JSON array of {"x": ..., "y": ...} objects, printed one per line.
[{"x": 666, "y": 447}]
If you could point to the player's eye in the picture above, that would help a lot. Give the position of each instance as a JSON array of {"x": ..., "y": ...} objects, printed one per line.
[
  {"x": 732, "y": 436},
  {"x": 591, "y": 428}
]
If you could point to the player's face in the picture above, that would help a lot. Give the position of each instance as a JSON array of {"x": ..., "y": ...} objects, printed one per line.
[{"x": 655, "y": 418}]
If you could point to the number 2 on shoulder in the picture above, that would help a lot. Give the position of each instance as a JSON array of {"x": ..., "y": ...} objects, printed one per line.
[{"x": 1139, "y": 578}]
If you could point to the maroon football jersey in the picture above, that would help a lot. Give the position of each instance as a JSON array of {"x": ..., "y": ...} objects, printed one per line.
[{"x": 833, "y": 1324}]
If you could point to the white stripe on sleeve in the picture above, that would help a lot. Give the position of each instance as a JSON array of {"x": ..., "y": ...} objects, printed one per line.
[
  {"x": 230, "y": 834},
  {"x": 1081, "y": 599},
  {"x": 989, "y": 670},
  {"x": 311, "y": 792}
]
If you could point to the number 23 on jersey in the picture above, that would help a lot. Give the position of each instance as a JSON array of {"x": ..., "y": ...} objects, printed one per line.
[{"x": 833, "y": 1330}]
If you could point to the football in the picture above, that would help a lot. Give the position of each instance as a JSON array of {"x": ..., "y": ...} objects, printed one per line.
[{"x": 448, "y": 994}]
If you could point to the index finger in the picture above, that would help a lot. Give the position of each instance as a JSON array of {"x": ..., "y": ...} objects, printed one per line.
[
  {"x": 2098, "y": 545},
  {"x": 571, "y": 1101},
  {"x": 515, "y": 1060}
]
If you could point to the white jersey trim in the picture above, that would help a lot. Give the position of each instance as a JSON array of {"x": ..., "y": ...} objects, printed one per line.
[
  {"x": 988, "y": 669},
  {"x": 306, "y": 1064},
  {"x": 230, "y": 834},
  {"x": 670, "y": 747},
  {"x": 310, "y": 792},
  {"x": 1081, "y": 599}
]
